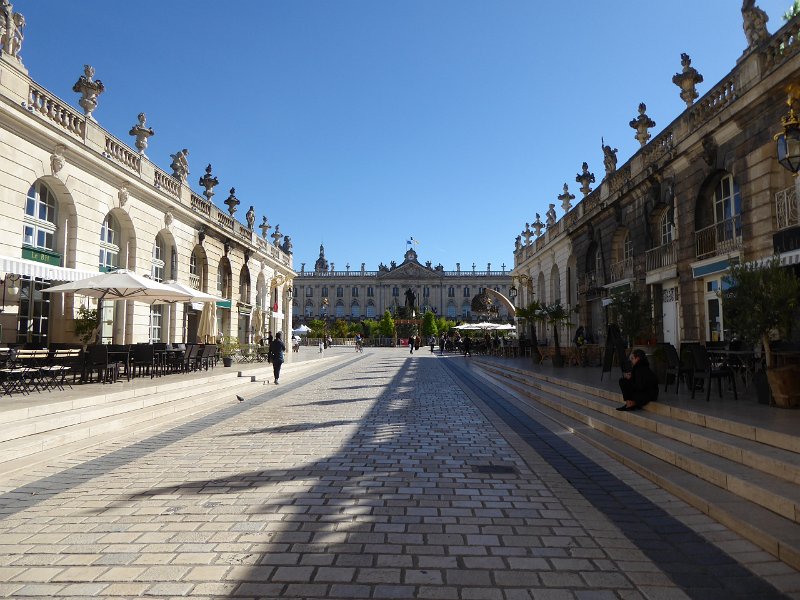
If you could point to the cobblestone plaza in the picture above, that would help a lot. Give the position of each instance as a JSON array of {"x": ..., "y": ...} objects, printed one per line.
[{"x": 375, "y": 475}]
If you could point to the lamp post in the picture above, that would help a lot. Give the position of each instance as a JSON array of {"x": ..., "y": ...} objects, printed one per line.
[{"x": 788, "y": 141}]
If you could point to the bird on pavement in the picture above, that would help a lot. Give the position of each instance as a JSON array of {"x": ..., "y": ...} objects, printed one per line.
[{"x": 239, "y": 398}]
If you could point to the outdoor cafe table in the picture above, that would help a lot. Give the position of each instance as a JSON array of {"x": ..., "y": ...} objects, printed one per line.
[
  {"x": 743, "y": 361},
  {"x": 122, "y": 356}
]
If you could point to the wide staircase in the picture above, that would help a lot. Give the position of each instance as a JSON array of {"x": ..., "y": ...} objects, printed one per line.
[
  {"x": 741, "y": 467},
  {"x": 41, "y": 427}
]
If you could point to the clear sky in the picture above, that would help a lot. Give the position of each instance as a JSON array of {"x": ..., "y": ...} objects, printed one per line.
[{"x": 361, "y": 123}]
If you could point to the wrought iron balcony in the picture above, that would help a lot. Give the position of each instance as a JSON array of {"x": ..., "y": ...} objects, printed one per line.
[
  {"x": 787, "y": 210},
  {"x": 621, "y": 270},
  {"x": 665, "y": 255},
  {"x": 719, "y": 239}
]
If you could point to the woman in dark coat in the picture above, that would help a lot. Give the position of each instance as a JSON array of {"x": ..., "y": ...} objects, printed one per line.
[
  {"x": 276, "y": 353},
  {"x": 640, "y": 385}
]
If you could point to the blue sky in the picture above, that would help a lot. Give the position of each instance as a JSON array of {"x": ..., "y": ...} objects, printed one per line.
[{"x": 360, "y": 123}]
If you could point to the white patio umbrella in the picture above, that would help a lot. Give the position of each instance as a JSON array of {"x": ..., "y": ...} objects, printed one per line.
[
  {"x": 258, "y": 324},
  {"x": 207, "y": 327},
  {"x": 122, "y": 285},
  {"x": 301, "y": 330},
  {"x": 196, "y": 295}
]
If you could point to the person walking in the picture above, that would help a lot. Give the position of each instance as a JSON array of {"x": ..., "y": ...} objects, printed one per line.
[
  {"x": 276, "y": 352},
  {"x": 467, "y": 345},
  {"x": 639, "y": 385},
  {"x": 411, "y": 344},
  {"x": 442, "y": 342}
]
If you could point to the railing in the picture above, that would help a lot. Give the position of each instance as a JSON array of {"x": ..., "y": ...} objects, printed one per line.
[
  {"x": 194, "y": 281},
  {"x": 664, "y": 256},
  {"x": 721, "y": 238},
  {"x": 589, "y": 281},
  {"x": 621, "y": 270},
  {"x": 720, "y": 96},
  {"x": 783, "y": 45},
  {"x": 167, "y": 183},
  {"x": 122, "y": 154},
  {"x": 201, "y": 205},
  {"x": 787, "y": 210},
  {"x": 50, "y": 107},
  {"x": 224, "y": 220},
  {"x": 662, "y": 145}
]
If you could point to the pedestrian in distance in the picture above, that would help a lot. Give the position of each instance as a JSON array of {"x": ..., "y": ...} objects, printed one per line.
[
  {"x": 639, "y": 385},
  {"x": 432, "y": 342},
  {"x": 411, "y": 344},
  {"x": 467, "y": 345},
  {"x": 276, "y": 352}
]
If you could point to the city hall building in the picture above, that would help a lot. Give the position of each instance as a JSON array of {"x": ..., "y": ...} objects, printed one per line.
[
  {"x": 705, "y": 192},
  {"x": 75, "y": 201},
  {"x": 355, "y": 294}
]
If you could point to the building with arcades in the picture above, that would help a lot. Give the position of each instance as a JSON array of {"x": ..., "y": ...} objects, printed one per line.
[
  {"x": 354, "y": 295},
  {"x": 711, "y": 189},
  {"x": 76, "y": 201}
]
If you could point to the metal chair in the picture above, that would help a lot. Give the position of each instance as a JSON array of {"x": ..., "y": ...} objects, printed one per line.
[
  {"x": 676, "y": 367},
  {"x": 704, "y": 371}
]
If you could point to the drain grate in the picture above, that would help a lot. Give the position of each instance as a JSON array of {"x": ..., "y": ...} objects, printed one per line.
[{"x": 496, "y": 469}]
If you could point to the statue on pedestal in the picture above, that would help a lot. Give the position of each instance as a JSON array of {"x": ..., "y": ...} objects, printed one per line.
[
  {"x": 141, "y": 133},
  {"x": 179, "y": 165}
]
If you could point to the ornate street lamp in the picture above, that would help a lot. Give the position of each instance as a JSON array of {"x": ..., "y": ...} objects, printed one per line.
[
  {"x": 788, "y": 141},
  {"x": 512, "y": 294}
]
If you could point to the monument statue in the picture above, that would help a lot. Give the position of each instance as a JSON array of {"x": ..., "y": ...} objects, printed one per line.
[
  {"x": 411, "y": 299},
  {"x": 179, "y": 165}
]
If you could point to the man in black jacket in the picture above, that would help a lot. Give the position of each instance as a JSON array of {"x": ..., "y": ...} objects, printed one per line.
[{"x": 640, "y": 385}]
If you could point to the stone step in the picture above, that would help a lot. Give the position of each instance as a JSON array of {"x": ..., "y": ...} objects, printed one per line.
[
  {"x": 65, "y": 427},
  {"x": 758, "y": 505},
  {"x": 62, "y": 413},
  {"x": 743, "y": 430}
]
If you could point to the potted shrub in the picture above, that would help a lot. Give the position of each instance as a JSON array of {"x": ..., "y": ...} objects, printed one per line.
[
  {"x": 557, "y": 316},
  {"x": 532, "y": 314},
  {"x": 87, "y": 324},
  {"x": 228, "y": 349},
  {"x": 633, "y": 315},
  {"x": 761, "y": 302}
]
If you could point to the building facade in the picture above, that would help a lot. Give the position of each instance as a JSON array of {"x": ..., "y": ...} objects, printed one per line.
[
  {"x": 704, "y": 193},
  {"x": 353, "y": 295},
  {"x": 76, "y": 201}
]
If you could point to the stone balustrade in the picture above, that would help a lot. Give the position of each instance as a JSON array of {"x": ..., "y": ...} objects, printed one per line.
[
  {"x": 224, "y": 220},
  {"x": 782, "y": 45},
  {"x": 717, "y": 99},
  {"x": 167, "y": 183},
  {"x": 194, "y": 281},
  {"x": 123, "y": 155},
  {"x": 53, "y": 109},
  {"x": 201, "y": 205}
]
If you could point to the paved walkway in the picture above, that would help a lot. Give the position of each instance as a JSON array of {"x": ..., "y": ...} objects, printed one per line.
[{"x": 383, "y": 475}]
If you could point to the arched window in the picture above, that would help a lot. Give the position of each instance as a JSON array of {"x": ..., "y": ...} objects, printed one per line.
[
  {"x": 665, "y": 228},
  {"x": 109, "y": 244},
  {"x": 339, "y": 309},
  {"x": 555, "y": 285},
  {"x": 451, "y": 310},
  {"x": 465, "y": 309},
  {"x": 370, "y": 310},
  {"x": 244, "y": 285},
  {"x": 355, "y": 310},
  {"x": 224, "y": 279},
  {"x": 39, "y": 225},
  {"x": 309, "y": 309},
  {"x": 541, "y": 288},
  {"x": 157, "y": 263}
]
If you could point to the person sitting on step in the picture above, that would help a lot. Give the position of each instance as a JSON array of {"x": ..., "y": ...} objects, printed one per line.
[{"x": 639, "y": 385}]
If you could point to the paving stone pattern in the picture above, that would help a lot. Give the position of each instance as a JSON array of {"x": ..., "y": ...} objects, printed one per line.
[{"x": 383, "y": 477}]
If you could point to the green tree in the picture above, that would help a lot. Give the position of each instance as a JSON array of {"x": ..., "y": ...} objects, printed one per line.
[
  {"x": 339, "y": 329},
  {"x": 429, "y": 325},
  {"x": 443, "y": 324},
  {"x": 793, "y": 11},
  {"x": 632, "y": 312},
  {"x": 759, "y": 300},
  {"x": 317, "y": 327},
  {"x": 87, "y": 324},
  {"x": 557, "y": 317},
  {"x": 353, "y": 329},
  {"x": 532, "y": 314},
  {"x": 369, "y": 327},
  {"x": 386, "y": 325}
]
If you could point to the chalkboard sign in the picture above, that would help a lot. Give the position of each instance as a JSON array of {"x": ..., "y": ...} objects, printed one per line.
[{"x": 614, "y": 345}]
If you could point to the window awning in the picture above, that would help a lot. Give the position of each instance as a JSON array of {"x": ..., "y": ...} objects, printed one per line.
[{"x": 31, "y": 268}]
